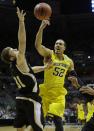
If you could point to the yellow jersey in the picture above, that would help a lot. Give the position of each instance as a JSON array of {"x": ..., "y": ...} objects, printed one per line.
[
  {"x": 90, "y": 108},
  {"x": 54, "y": 77},
  {"x": 81, "y": 113}
]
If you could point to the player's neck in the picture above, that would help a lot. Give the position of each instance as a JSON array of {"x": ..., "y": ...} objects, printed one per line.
[{"x": 60, "y": 56}]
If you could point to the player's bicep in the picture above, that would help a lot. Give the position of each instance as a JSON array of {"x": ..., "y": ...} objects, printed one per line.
[
  {"x": 22, "y": 47},
  {"x": 44, "y": 51}
]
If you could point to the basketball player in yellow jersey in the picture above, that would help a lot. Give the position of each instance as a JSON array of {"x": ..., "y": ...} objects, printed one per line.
[{"x": 52, "y": 90}]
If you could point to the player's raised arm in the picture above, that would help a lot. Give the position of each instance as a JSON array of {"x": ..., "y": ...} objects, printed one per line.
[
  {"x": 21, "y": 32},
  {"x": 38, "y": 42},
  {"x": 37, "y": 69}
]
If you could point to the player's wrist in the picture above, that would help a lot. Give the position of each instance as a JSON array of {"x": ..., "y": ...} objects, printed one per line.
[
  {"x": 21, "y": 21},
  {"x": 45, "y": 66},
  {"x": 41, "y": 28}
]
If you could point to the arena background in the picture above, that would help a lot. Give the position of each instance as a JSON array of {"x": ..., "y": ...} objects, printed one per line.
[{"x": 72, "y": 21}]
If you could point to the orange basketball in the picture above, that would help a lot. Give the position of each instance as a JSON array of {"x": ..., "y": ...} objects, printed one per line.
[{"x": 42, "y": 11}]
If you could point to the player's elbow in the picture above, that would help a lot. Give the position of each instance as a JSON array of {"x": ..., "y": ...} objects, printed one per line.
[{"x": 36, "y": 45}]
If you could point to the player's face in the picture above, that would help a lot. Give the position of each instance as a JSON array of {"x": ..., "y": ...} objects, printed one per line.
[
  {"x": 59, "y": 47},
  {"x": 13, "y": 53}
]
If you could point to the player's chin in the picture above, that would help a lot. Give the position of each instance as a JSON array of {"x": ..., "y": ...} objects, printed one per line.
[{"x": 57, "y": 52}]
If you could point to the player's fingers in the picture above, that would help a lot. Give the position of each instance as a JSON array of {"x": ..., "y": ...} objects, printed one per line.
[
  {"x": 82, "y": 89},
  {"x": 24, "y": 14},
  {"x": 49, "y": 23},
  {"x": 21, "y": 11},
  {"x": 18, "y": 9},
  {"x": 84, "y": 92},
  {"x": 46, "y": 22}
]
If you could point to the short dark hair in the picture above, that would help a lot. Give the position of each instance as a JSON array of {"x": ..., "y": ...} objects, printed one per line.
[{"x": 5, "y": 57}]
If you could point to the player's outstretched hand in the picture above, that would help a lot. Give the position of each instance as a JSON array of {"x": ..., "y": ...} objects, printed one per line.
[
  {"x": 21, "y": 14},
  {"x": 44, "y": 23},
  {"x": 74, "y": 81},
  {"x": 87, "y": 90}
]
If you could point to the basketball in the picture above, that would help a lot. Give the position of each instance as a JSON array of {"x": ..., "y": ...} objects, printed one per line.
[{"x": 42, "y": 11}]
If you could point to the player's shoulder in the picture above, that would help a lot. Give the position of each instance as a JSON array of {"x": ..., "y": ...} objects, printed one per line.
[
  {"x": 67, "y": 58},
  {"x": 48, "y": 57},
  {"x": 52, "y": 54}
]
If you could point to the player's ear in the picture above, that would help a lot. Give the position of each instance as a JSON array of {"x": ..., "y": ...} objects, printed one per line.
[
  {"x": 64, "y": 48},
  {"x": 64, "y": 45}
]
